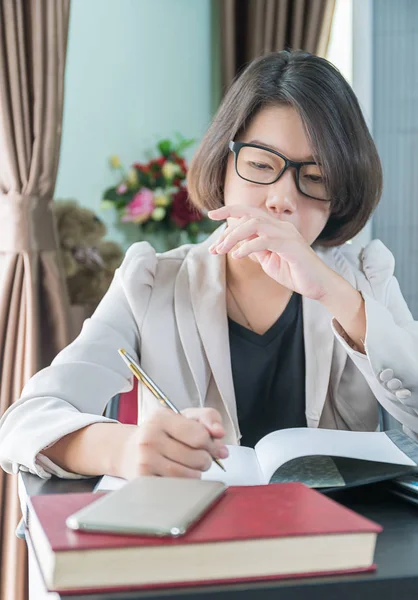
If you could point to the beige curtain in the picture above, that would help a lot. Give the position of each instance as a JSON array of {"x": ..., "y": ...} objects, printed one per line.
[
  {"x": 34, "y": 322},
  {"x": 249, "y": 28}
]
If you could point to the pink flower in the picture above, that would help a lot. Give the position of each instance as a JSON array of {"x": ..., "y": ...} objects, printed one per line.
[
  {"x": 122, "y": 188},
  {"x": 140, "y": 207}
]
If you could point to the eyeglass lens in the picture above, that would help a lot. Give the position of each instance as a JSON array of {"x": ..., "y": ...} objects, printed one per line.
[{"x": 262, "y": 166}]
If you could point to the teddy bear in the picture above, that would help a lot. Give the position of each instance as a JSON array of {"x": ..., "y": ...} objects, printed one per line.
[{"x": 88, "y": 260}]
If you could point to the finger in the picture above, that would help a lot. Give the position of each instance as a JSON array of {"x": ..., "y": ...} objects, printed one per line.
[
  {"x": 165, "y": 467},
  {"x": 258, "y": 244},
  {"x": 209, "y": 417},
  {"x": 224, "y": 234},
  {"x": 192, "y": 433},
  {"x": 169, "y": 468},
  {"x": 267, "y": 260},
  {"x": 188, "y": 429},
  {"x": 265, "y": 256},
  {"x": 234, "y": 211},
  {"x": 198, "y": 460},
  {"x": 242, "y": 232},
  {"x": 217, "y": 247}
]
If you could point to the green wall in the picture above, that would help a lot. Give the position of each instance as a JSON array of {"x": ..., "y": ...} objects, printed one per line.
[{"x": 137, "y": 70}]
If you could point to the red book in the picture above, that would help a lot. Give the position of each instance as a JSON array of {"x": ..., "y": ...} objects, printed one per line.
[{"x": 254, "y": 532}]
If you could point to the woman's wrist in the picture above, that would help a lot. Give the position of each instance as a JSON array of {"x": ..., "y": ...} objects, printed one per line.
[
  {"x": 346, "y": 305},
  {"x": 96, "y": 449},
  {"x": 114, "y": 456}
]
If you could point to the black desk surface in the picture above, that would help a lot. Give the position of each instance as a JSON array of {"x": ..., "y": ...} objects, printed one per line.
[{"x": 396, "y": 555}]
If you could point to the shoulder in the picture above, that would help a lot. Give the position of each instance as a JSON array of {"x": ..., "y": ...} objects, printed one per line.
[
  {"x": 142, "y": 257},
  {"x": 374, "y": 263},
  {"x": 375, "y": 260},
  {"x": 143, "y": 265},
  {"x": 141, "y": 260}
]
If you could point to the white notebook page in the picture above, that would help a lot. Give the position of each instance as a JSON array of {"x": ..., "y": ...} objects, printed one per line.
[
  {"x": 241, "y": 466},
  {"x": 281, "y": 446}
]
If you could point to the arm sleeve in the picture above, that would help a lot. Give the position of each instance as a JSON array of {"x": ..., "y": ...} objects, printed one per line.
[
  {"x": 74, "y": 390},
  {"x": 390, "y": 365}
]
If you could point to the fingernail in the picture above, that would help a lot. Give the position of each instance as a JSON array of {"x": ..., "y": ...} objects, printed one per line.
[
  {"x": 217, "y": 427},
  {"x": 223, "y": 452}
]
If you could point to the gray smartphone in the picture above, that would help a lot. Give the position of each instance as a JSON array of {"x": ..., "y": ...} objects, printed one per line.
[{"x": 156, "y": 506}]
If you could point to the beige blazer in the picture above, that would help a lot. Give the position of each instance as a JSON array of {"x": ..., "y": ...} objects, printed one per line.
[{"x": 169, "y": 310}]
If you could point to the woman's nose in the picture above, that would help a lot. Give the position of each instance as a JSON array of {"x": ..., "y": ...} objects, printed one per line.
[{"x": 282, "y": 198}]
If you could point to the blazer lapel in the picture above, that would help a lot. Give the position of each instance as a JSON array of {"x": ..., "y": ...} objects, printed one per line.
[
  {"x": 206, "y": 275},
  {"x": 324, "y": 361},
  {"x": 319, "y": 345},
  {"x": 189, "y": 334}
]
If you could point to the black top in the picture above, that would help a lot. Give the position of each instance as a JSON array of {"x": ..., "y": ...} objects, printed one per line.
[{"x": 269, "y": 374}]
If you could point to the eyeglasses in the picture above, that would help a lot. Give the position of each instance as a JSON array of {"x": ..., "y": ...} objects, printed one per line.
[{"x": 258, "y": 164}]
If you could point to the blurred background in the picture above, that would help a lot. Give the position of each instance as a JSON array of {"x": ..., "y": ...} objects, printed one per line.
[
  {"x": 141, "y": 70},
  {"x": 102, "y": 105}
]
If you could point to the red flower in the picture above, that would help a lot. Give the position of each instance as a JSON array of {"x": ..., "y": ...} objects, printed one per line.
[
  {"x": 141, "y": 168},
  {"x": 182, "y": 211},
  {"x": 180, "y": 162}
]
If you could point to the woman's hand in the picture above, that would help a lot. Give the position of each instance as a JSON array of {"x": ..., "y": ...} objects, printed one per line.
[
  {"x": 168, "y": 444},
  {"x": 282, "y": 252},
  {"x": 286, "y": 257}
]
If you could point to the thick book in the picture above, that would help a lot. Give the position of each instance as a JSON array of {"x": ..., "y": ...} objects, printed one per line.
[
  {"x": 319, "y": 458},
  {"x": 406, "y": 487},
  {"x": 255, "y": 532}
]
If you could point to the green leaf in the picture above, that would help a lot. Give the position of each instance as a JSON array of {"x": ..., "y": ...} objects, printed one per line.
[
  {"x": 160, "y": 182},
  {"x": 143, "y": 179},
  {"x": 182, "y": 143},
  {"x": 150, "y": 226},
  {"x": 207, "y": 225},
  {"x": 164, "y": 146},
  {"x": 111, "y": 194},
  {"x": 124, "y": 200},
  {"x": 194, "y": 228}
]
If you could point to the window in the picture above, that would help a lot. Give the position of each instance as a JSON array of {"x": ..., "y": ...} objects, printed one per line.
[{"x": 340, "y": 48}]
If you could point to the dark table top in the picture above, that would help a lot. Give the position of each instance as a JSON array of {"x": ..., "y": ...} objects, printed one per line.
[{"x": 396, "y": 555}]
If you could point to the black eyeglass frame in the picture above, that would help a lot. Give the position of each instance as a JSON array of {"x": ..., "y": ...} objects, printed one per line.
[{"x": 236, "y": 147}]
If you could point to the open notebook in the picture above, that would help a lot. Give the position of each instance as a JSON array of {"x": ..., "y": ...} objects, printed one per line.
[{"x": 320, "y": 458}]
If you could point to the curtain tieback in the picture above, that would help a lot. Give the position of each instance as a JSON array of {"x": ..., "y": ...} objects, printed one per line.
[{"x": 26, "y": 223}]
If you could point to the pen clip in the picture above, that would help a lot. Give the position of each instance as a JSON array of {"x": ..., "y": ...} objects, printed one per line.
[
  {"x": 154, "y": 392},
  {"x": 146, "y": 380}
]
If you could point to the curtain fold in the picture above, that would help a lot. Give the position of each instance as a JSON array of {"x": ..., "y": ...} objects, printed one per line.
[
  {"x": 34, "y": 308},
  {"x": 250, "y": 28}
]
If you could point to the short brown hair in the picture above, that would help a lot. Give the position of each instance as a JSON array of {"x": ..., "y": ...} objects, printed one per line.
[{"x": 334, "y": 124}]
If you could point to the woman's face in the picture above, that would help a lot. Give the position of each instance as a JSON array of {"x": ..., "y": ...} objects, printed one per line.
[{"x": 279, "y": 128}]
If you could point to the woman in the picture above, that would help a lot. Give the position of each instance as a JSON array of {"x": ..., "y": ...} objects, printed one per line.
[{"x": 273, "y": 322}]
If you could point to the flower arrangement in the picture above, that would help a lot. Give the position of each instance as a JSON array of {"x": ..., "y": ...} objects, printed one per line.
[{"x": 154, "y": 196}]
